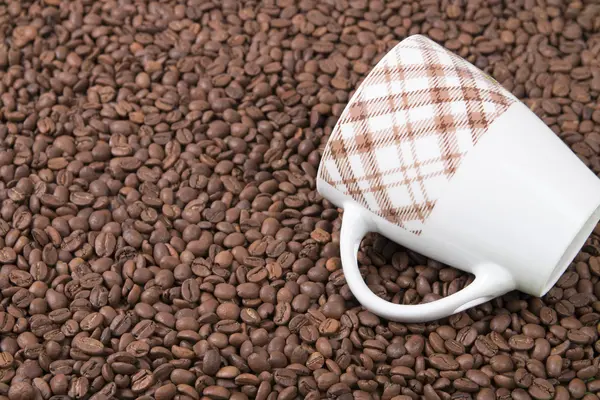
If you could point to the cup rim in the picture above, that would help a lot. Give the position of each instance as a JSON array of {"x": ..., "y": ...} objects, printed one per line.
[{"x": 571, "y": 251}]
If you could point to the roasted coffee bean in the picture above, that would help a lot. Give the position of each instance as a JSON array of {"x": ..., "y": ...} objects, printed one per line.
[
  {"x": 501, "y": 363},
  {"x": 521, "y": 342},
  {"x": 144, "y": 329},
  {"x": 78, "y": 387},
  {"x": 500, "y": 323},
  {"x": 138, "y": 348},
  {"x": 104, "y": 244},
  {"x": 285, "y": 377},
  {"x": 577, "y": 388},
  {"x": 141, "y": 381},
  {"x": 165, "y": 392},
  {"x": 443, "y": 362},
  {"x": 486, "y": 346},
  {"x": 554, "y": 365},
  {"x": 92, "y": 368},
  {"x": 467, "y": 336},
  {"x": 211, "y": 362},
  {"x": 91, "y": 321},
  {"x": 190, "y": 290},
  {"x": 478, "y": 377},
  {"x": 21, "y": 391},
  {"x": 541, "y": 389},
  {"x": 6, "y": 360},
  {"x": 88, "y": 345}
]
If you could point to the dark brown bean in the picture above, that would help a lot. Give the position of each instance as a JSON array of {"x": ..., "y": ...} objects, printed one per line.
[
  {"x": 88, "y": 345},
  {"x": 541, "y": 389},
  {"x": 443, "y": 362}
]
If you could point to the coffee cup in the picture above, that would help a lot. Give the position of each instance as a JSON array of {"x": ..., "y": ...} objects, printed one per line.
[{"x": 437, "y": 156}]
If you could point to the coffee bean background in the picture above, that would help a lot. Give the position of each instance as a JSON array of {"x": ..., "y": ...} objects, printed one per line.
[{"x": 160, "y": 232}]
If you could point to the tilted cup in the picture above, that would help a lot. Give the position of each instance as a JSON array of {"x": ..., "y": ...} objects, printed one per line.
[{"x": 437, "y": 156}]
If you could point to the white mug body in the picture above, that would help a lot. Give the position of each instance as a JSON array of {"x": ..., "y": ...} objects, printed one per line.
[
  {"x": 521, "y": 200},
  {"x": 514, "y": 212}
]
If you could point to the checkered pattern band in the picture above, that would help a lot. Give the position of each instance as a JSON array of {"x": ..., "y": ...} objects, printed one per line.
[{"x": 408, "y": 127}]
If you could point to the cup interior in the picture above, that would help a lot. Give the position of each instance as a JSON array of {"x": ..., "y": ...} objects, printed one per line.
[{"x": 572, "y": 250}]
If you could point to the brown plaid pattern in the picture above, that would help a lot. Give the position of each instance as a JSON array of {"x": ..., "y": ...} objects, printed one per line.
[{"x": 407, "y": 129}]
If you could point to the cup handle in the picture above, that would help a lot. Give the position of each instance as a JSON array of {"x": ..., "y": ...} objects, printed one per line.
[{"x": 491, "y": 280}]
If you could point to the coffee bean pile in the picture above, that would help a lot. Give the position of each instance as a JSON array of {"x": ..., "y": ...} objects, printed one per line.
[{"x": 161, "y": 236}]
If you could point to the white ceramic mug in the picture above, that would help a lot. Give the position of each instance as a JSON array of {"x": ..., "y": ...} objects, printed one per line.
[{"x": 434, "y": 154}]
